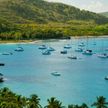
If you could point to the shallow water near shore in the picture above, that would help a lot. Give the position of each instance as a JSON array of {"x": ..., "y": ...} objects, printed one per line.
[{"x": 81, "y": 80}]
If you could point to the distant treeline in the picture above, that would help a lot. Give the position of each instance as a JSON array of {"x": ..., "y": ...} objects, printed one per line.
[
  {"x": 8, "y": 99},
  {"x": 11, "y": 31}
]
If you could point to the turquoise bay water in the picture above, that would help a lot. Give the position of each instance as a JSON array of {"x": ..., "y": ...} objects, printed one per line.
[{"x": 81, "y": 80}]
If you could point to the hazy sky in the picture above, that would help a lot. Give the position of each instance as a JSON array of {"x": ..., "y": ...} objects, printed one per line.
[{"x": 91, "y": 5}]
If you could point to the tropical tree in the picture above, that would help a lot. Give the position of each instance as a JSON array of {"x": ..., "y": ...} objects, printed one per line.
[
  {"x": 77, "y": 106},
  {"x": 100, "y": 103},
  {"x": 33, "y": 102},
  {"x": 84, "y": 105},
  {"x": 53, "y": 103}
]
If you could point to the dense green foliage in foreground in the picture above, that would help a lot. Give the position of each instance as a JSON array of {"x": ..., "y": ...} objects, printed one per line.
[{"x": 8, "y": 99}]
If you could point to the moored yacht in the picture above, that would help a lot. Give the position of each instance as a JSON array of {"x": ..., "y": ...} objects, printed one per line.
[
  {"x": 7, "y": 53},
  {"x": 46, "y": 52},
  {"x": 19, "y": 49},
  {"x": 72, "y": 57},
  {"x": 55, "y": 74},
  {"x": 63, "y": 52},
  {"x": 103, "y": 55},
  {"x": 42, "y": 47},
  {"x": 88, "y": 52},
  {"x": 79, "y": 50},
  {"x": 68, "y": 46}
]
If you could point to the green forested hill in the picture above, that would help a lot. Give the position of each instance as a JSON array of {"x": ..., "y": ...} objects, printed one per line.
[
  {"x": 39, "y": 11},
  {"x": 32, "y": 19}
]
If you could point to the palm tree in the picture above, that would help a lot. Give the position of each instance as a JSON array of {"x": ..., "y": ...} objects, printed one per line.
[
  {"x": 53, "y": 103},
  {"x": 101, "y": 102},
  {"x": 21, "y": 101},
  {"x": 74, "y": 106},
  {"x": 77, "y": 106},
  {"x": 84, "y": 105},
  {"x": 33, "y": 102},
  {"x": 71, "y": 106}
]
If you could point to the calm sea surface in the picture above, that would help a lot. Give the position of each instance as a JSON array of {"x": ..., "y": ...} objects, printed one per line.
[{"x": 81, "y": 80}]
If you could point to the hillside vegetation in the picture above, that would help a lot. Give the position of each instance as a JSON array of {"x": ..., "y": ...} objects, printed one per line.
[
  {"x": 37, "y": 19},
  {"x": 39, "y": 11}
]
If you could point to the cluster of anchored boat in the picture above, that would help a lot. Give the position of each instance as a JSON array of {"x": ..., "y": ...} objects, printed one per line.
[
  {"x": 18, "y": 49},
  {"x": 81, "y": 48},
  {"x": 46, "y": 50}
]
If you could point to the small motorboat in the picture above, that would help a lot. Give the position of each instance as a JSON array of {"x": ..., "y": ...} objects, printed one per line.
[
  {"x": 7, "y": 53},
  {"x": 103, "y": 55},
  {"x": 64, "y": 52},
  {"x": 68, "y": 46},
  {"x": 88, "y": 52},
  {"x": 79, "y": 50},
  {"x": 55, "y": 74},
  {"x": 50, "y": 49},
  {"x": 72, "y": 57},
  {"x": 42, "y": 47},
  {"x": 19, "y": 49},
  {"x": 46, "y": 52},
  {"x": 1, "y": 78},
  {"x": 106, "y": 78}
]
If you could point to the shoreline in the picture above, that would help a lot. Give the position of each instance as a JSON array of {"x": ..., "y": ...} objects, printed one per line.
[{"x": 40, "y": 40}]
